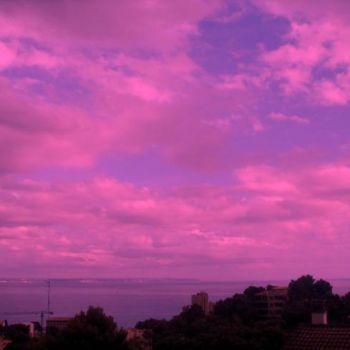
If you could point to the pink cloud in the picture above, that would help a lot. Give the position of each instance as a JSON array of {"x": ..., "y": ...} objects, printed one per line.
[
  {"x": 140, "y": 24},
  {"x": 312, "y": 45},
  {"x": 104, "y": 224},
  {"x": 242, "y": 81},
  {"x": 138, "y": 101},
  {"x": 315, "y": 9},
  {"x": 157, "y": 106},
  {"x": 265, "y": 179},
  {"x": 169, "y": 113},
  {"x": 334, "y": 92},
  {"x": 84, "y": 82},
  {"x": 7, "y": 55},
  {"x": 257, "y": 125},
  {"x": 15, "y": 54},
  {"x": 35, "y": 133},
  {"x": 291, "y": 118}
]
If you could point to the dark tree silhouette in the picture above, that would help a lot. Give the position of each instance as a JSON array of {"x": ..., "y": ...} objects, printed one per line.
[
  {"x": 234, "y": 324},
  {"x": 87, "y": 331}
]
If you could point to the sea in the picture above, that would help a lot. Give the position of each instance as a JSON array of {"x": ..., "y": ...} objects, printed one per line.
[{"x": 126, "y": 300}]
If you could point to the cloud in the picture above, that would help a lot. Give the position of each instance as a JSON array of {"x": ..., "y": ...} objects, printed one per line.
[
  {"x": 105, "y": 224},
  {"x": 291, "y": 118},
  {"x": 8, "y": 55},
  {"x": 313, "y": 9},
  {"x": 89, "y": 87},
  {"x": 110, "y": 93},
  {"x": 153, "y": 25},
  {"x": 159, "y": 106},
  {"x": 314, "y": 57},
  {"x": 37, "y": 134}
]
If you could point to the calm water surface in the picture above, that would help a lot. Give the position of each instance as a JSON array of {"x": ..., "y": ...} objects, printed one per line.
[{"x": 128, "y": 301}]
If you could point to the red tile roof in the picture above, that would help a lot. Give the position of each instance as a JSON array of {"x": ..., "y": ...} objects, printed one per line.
[{"x": 318, "y": 337}]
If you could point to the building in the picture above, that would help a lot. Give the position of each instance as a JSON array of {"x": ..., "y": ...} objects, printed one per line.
[
  {"x": 3, "y": 343},
  {"x": 271, "y": 301},
  {"x": 34, "y": 329},
  {"x": 138, "y": 338},
  {"x": 202, "y": 299},
  {"x": 133, "y": 333},
  {"x": 319, "y": 318},
  {"x": 58, "y": 322}
]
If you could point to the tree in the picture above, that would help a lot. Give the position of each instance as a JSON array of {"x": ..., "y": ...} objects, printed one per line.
[
  {"x": 18, "y": 334},
  {"x": 322, "y": 290},
  {"x": 87, "y": 331},
  {"x": 251, "y": 291},
  {"x": 238, "y": 308},
  {"x": 336, "y": 309},
  {"x": 306, "y": 295},
  {"x": 194, "y": 312},
  {"x": 306, "y": 288},
  {"x": 346, "y": 303},
  {"x": 301, "y": 289}
]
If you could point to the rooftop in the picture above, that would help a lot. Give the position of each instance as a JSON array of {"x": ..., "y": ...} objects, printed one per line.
[
  {"x": 60, "y": 318},
  {"x": 320, "y": 337},
  {"x": 4, "y": 342}
]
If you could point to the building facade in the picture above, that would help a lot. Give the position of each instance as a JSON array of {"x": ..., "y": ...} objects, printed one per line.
[
  {"x": 202, "y": 299},
  {"x": 270, "y": 303},
  {"x": 58, "y": 322}
]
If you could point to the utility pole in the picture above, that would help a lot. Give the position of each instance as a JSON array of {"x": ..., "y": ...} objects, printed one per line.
[
  {"x": 42, "y": 314},
  {"x": 48, "y": 296},
  {"x": 42, "y": 322}
]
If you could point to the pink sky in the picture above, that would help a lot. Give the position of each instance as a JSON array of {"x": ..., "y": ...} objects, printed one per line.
[{"x": 202, "y": 139}]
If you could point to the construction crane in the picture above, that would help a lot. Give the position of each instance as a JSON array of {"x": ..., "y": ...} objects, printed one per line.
[{"x": 41, "y": 313}]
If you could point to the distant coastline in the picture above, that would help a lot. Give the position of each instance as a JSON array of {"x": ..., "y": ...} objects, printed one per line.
[{"x": 127, "y": 300}]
